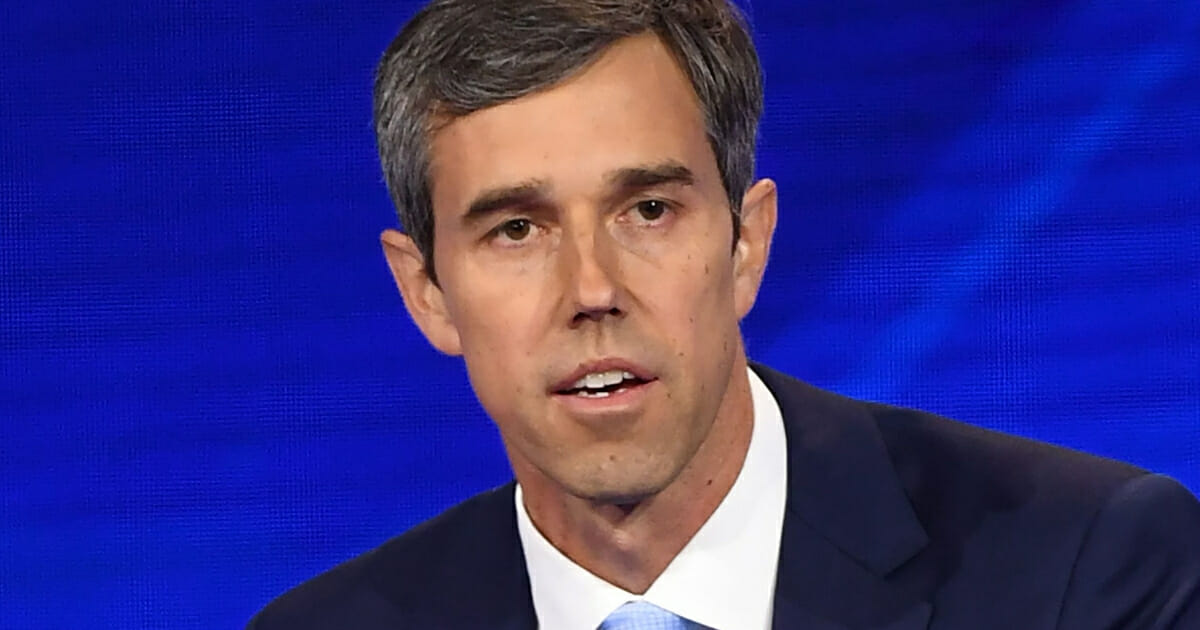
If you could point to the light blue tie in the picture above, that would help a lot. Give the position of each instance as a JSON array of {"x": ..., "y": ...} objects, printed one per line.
[{"x": 642, "y": 615}]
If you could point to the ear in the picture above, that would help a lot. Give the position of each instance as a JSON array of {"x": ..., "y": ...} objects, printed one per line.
[
  {"x": 754, "y": 243},
  {"x": 422, "y": 296}
]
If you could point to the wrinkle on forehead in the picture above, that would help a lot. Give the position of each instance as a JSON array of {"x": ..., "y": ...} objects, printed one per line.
[{"x": 633, "y": 106}]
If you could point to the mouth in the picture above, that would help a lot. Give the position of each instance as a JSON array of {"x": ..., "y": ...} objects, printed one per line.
[{"x": 603, "y": 379}]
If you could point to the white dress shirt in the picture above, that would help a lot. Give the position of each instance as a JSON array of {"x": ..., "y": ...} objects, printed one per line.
[{"x": 724, "y": 578}]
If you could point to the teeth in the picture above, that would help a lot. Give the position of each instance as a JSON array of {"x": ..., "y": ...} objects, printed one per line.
[{"x": 600, "y": 380}]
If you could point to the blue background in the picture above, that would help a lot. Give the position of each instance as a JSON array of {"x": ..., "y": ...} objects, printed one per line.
[{"x": 209, "y": 389}]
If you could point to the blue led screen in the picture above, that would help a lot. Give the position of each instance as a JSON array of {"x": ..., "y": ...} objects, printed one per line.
[{"x": 209, "y": 389}]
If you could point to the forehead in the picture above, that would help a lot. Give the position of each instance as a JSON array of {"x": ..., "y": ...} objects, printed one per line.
[{"x": 633, "y": 106}]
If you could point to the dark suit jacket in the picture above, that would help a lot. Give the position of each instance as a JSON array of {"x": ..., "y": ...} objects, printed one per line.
[{"x": 895, "y": 520}]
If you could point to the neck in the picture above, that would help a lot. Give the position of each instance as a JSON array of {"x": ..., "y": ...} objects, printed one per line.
[{"x": 630, "y": 545}]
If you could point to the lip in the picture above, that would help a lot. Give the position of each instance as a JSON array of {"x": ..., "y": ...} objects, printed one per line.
[
  {"x": 624, "y": 403},
  {"x": 602, "y": 365}
]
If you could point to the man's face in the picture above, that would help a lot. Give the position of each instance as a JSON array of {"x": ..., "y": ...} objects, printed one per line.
[{"x": 585, "y": 230}]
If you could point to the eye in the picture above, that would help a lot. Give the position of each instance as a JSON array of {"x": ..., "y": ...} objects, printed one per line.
[
  {"x": 651, "y": 210},
  {"x": 515, "y": 229}
]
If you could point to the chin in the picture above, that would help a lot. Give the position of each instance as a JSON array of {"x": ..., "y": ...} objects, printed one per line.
[
  {"x": 626, "y": 487},
  {"x": 620, "y": 496}
]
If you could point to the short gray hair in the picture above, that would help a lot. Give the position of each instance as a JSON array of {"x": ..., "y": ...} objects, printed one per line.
[{"x": 460, "y": 56}]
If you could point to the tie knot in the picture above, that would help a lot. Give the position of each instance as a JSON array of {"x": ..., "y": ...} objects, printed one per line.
[{"x": 642, "y": 615}]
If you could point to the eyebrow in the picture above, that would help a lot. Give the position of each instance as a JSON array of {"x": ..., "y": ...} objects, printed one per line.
[
  {"x": 530, "y": 193},
  {"x": 536, "y": 192},
  {"x": 639, "y": 177}
]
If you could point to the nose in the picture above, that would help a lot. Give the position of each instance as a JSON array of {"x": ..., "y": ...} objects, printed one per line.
[{"x": 591, "y": 275}]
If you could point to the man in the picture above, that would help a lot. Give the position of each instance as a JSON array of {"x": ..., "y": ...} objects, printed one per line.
[{"x": 582, "y": 226}]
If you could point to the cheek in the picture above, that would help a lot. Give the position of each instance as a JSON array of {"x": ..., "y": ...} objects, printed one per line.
[
  {"x": 500, "y": 330},
  {"x": 503, "y": 379},
  {"x": 495, "y": 307},
  {"x": 693, "y": 296}
]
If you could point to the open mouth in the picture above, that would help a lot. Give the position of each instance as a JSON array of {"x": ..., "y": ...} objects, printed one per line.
[{"x": 602, "y": 384}]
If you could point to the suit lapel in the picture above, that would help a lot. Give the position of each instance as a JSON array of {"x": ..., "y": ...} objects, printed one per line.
[
  {"x": 497, "y": 584},
  {"x": 848, "y": 522},
  {"x": 472, "y": 569},
  {"x": 820, "y": 587}
]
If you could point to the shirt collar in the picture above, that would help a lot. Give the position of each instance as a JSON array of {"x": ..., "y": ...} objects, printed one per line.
[{"x": 724, "y": 578}]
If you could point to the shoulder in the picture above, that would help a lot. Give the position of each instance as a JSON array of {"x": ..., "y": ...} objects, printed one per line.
[
  {"x": 388, "y": 585},
  {"x": 1073, "y": 539},
  {"x": 1139, "y": 562},
  {"x": 1098, "y": 542},
  {"x": 931, "y": 454},
  {"x": 1031, "y": 492},
  {"x": 929, "y": 449}
]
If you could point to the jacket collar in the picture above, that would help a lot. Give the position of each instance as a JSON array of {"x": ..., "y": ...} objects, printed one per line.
[
  {"x": 463, "y": 569},
  {"x": 848, "y": 522}
]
